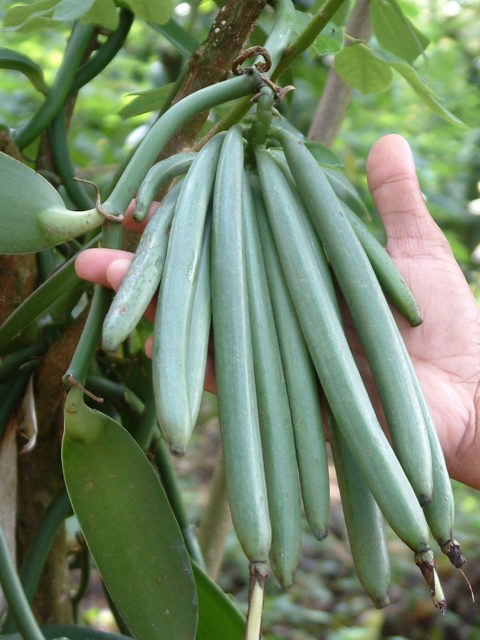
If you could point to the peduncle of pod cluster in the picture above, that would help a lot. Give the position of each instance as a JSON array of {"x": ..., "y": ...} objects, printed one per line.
[{"x": 249, "y": 243}]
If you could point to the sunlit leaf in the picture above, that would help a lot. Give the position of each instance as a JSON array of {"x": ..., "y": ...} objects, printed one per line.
[
  {"x": 146, "y": 101},
  {"x": 71, "y": 9},
  {"x": 18, "y": 14},
  {"x": 359, "y": 68},
  {"x": 395, "y": 32},
  {"x": 329, "y": 40},
  {"x": 420, "y": 88},
  {"x": 158, "y": 11},
  {"x": 104, "y": 13}
]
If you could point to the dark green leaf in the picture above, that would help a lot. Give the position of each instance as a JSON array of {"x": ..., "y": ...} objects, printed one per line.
[
  {"x": 359, "y": 68},
  {"x": 218, "y": 617},
  {"x": 128, "y": 524},
  {"x": 146, "y": 101},
  {"x": 395, "y": 32}
]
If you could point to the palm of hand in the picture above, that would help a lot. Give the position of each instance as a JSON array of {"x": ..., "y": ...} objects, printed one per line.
[{"x": 445, "y": 350}]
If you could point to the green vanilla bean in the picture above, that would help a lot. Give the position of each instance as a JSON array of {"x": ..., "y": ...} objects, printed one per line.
[
  {"x": 59, "y": 91},
  {"x": 105, "y": 54},
  {"x": 165, "y": 128},
  {"x": 15, "y": 596},
  {"x": 39, "y": 549}
]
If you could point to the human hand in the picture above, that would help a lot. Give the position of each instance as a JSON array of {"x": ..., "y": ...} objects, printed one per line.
[{"x": 445, "y": 348}]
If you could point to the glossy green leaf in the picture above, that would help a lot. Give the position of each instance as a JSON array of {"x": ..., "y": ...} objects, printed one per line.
[
  {"x": 395, "y": 32},
  {"x": 104, "y": 13},
  {"x": 360, "y": 69},
  {"x": 146, "y": 101},
  {"x": 420, "y": 88},
  {"x": 158, "y": 11},
  {"x": 33, "y": 215},
  {"x": 10, "y": 59},
  {"x": 128, "y": 525},
  {"x": 323, "y": 155}
]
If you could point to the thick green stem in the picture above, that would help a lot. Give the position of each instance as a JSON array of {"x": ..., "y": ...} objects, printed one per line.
[
  {"x": 15, "y": 596},
  {"x": 87, "y": 345},
  {"x": 161, "y": 132},
  {"x": 59, "y": 91},
  {"x": 308, "y": 35},
  {"x": 216, "y": 522},
  {"x": 38, "y": 551}
]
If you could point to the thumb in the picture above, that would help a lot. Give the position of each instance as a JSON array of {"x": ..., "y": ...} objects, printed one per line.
[{"x": 393, "y": 183}]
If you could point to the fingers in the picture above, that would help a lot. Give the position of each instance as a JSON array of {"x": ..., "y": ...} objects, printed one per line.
[
  {"x": 392, "y": 180},
  {"x": 98, "y": 265},
  {"x": 130, "y": 224}
]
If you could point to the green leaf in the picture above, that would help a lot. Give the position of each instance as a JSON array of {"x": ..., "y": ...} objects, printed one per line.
[
  {"x": 323, "y": 155},
  {"x": 103, "y": 13},
  {"x": 218, "y": 617},
  {"x": 71, "y": 9},
  {"x": 18, "y": 14},
  {"x": 10, "y": 59},
  {"x": 158, "y": 11},
  {"x": 146, "y": 101},
  {"x": 329, "y": 40},
  {"x": 128, "y": 524},
  {"x": 420, "y": 88},
  {"x": 395, "y": 32},
  {"x": 362, "y": 70},
  {"x": 33, "y": 215},
  {"x": 36, "y": 23}
]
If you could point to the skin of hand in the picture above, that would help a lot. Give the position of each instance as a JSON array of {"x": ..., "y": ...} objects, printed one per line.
[{"x": 445, "y": 348}]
